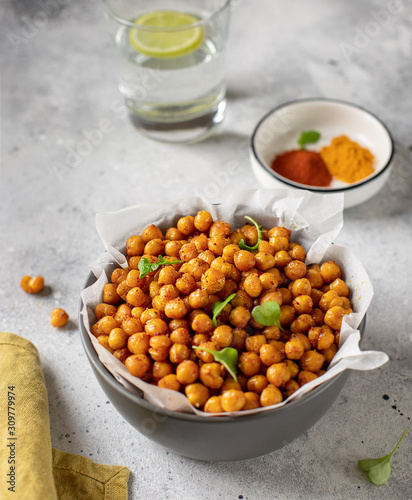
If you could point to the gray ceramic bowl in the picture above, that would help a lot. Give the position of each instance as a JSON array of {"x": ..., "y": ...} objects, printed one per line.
[{"x": 221, "y": 438}]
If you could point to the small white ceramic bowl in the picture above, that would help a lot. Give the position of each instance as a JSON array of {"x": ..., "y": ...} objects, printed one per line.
[{"x": 279, "y": 130}]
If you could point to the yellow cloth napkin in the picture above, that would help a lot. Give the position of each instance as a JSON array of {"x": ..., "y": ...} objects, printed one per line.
[{"x": 29, "y": 468}]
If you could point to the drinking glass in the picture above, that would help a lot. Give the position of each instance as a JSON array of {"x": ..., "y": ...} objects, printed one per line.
[{"x": 172, "y": 64}]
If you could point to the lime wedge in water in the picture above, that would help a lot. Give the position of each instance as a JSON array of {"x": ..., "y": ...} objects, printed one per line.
[{"x": 168, "y": 43}]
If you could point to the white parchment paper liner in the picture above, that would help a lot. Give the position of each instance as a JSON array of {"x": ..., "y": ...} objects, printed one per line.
[{"x": 315, "y": 220}]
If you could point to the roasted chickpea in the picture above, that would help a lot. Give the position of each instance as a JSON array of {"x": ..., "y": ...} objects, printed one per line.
[
  {"x": 279, "y": 243},
  {"x": 138, "y": 343},
  {"x": 220, "y": 227},
  {"x": 178, "y": 323},
  {"x": 152, "y": 232},
  {"x": 239, "y": 339},
  {"x": 123, "y": 289},
  {"x": 271, "y": 296},
  {"x": 321, "y": 337},
  {"x": 222, "y": 336},
  {"x": 252, "y": 401},
  {"x": 201, "y": 242},
  {"x": 239, "y": 317},
  {"x": 172, "y": 248},
  {"x": 104, "y": 342},
  {"x": 249, "y": 363},
  {"x": 136, "y": 297},
  {"x": 197, "y": 394},
  {"x": 168, "y": 276},
  {"x": 282, "y": 259},
  {"x": 154, "y": 247},
  {"x": 303, "y": 339},
  {"x": 117, "y": 338},
  {"x": 304, "y": 377},
  {"x": 301, "y": 286},
  {"x": 252, "y": 285},
  {"x": 197, "y": 267},
  {"x": 135, "y": 245},
  {"x": 330, "y": 271},
  {"x": 270, "y": 281},
  {"x": 271, "y": 395},
  {"x": 186, "y": 284},
  {"x": 340, "y": 287},
  {"x": 294, "y": 348},
  {"x": 312, "y": 361},
  {"x": 229, "y": 251},
  {"x": 303, "y": 323},
  {"x": 176, "y": 308},
  {"x": 264, "y": 261},
  {"x": 266, "y": 247},
  {"x": 178, "y": 353},
  {"x": 169, "y": 382},
  {"x": 174, "y": 234},
  {"x": 318, "y": 316},
  {"x": 230, "y": 383},
  {"x": 287, "y": 316},
  {"x": 122, "y": 354},
  {"x": 329, "y": 353},
  {"x": 272, "y": 332},
  {"x": 244, "y": 260},
  {"x": 199, "y": 299},
  {"x": 187, "y": 372},
  {"x": 206, "y": 356},
  {"x": 59, "y": 317},
  {"x": 233, "y": 400},
  {"x": 118, "y": 275},
  {"x": 303, "y": 304},
  {"x": 290, "y": 387},
  {"x": 257, "y": 383},
  {"x": 242, "y": 299},
  {"x": 279, "y": 231},
  {"x": 155, "y": 327},
  {"x": 314, "y": 277},
  {"x": 138, "y": 365},
  {"x": 217, "y": 243},
  {"x": 188, "y": 252},
  {"x": 334, "y": 316},
  {"x": 278, "y": 374},
  {"x": 202, "y": 221},
  {"x": 180, "y": 336},
  {"x": 213, "y": 405},
  {"x": 293, "y": 368},
  {"x": 211, "y": 375},
  {"x": 123, "y": 312},
  {"x": 110, "y": 296},
  {"x": 213, "y": 281},
  {"x": 202, "y": 323},
  {"x": 250, "y": 235},
  {"x": 295, "y": 270},
  {"x": 103, "y": 309},
  {"x": 255, "y": 342},
  {"x": 207, "y": 256},
  {"x": 132, "y": 325},
  {"x": 105, "y": 325},
  {"x": 297, "y": 252},
  {"x": 160, "y": 369},
  {"x": 316, "y": 295}
]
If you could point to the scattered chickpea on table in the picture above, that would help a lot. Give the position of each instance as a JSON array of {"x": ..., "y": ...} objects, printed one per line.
[{"x": 152, "y": 323}]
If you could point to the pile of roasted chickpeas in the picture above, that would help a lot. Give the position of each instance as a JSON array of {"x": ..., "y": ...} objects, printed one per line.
[{"x": 152, "y": 323}]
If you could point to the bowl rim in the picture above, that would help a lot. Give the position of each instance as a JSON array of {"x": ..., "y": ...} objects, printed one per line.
[
  {"x": 110, "y": 379},
  {"x": 325, "y": 190}
]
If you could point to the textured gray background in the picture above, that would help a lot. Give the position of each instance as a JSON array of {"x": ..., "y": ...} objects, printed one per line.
[{"x": 58, "y": 84}]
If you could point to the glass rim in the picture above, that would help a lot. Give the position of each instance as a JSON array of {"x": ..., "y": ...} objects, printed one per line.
[{"x": 158, "y": 29}]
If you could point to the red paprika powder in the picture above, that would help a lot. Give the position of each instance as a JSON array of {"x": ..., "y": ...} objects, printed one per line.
[{"x": 305, "y": 167}]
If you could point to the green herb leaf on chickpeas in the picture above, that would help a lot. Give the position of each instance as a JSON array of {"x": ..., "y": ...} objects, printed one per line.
[
  {"x": 228, "y": 357},
  {"x": 218, "y": 307},
  {"x": 146, "y": 267},
  {"x": 242, "y": 244},
  {"x": 267, "y": 314},
  {"x": 379, "y": 469}
]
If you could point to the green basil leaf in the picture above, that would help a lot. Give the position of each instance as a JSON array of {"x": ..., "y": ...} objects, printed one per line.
[
  {"x": 308, "y": 137},
  {"x": 267, "y": 314},
  {"x": 218, "y": 307},
  {"x": 228, "y": 357},
  {"x": 145, "y": 266},
  {"x": 379, "y": 469},
  {"x": 242, "y": 244}
]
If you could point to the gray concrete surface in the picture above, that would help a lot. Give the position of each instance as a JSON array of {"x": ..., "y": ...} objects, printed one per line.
[{"x": 58, "y": 84}]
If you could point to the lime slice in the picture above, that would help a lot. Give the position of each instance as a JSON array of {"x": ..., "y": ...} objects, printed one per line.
[{"x": 168, "y": 43}]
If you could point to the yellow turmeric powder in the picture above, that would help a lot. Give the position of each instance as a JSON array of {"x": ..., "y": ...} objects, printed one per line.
[{"x": 346, "y": 160}]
